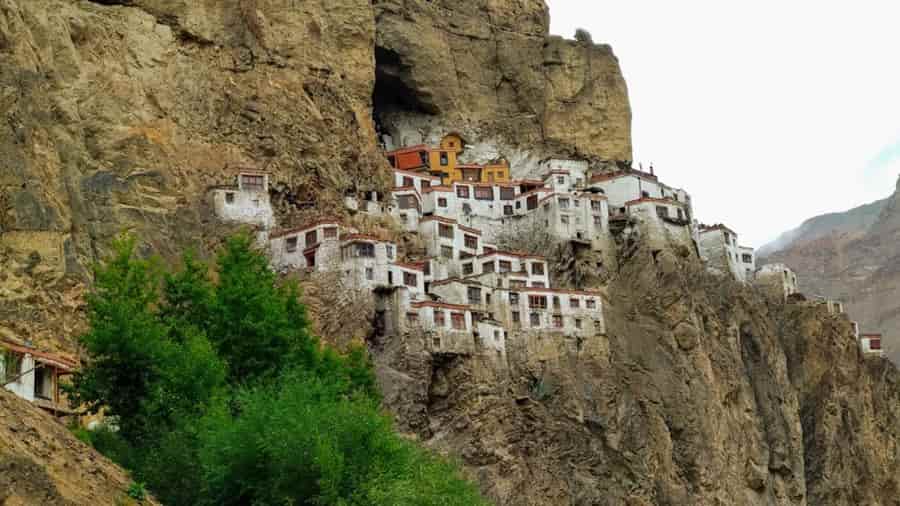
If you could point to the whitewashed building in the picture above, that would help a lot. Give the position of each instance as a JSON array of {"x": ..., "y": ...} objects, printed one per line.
[
  {"x": 719, "y": 249},
  {"x": 627, "y": 186},
  {"x": 576, "y": 172},
  {"x": 34, "y": 375},
  {"x": 314, "y": 246},
  {"x": 447, "y": 239},
  {"x": 575, "y": 313},
  {"x": 506, "y": 269},
  {"x": 247, "y": 202},
  {"x": 747, "y": 262},
  {"x": 870, "y": 344},
  {"x": 778, "y": 279}
]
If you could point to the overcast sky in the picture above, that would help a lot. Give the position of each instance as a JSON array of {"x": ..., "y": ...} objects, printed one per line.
[{"x": 767, "y": 112}]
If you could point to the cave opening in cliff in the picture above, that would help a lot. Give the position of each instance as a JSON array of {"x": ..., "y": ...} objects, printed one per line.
[{"x": 395, "y": 97}]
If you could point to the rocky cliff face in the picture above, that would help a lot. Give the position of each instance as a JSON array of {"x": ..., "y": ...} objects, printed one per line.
[
  {"x": 854, "y": 257},
  {"x": 120, "y": 114},
  {"x": 700, "y": 393},
  {"x": 488, "y": 70}
]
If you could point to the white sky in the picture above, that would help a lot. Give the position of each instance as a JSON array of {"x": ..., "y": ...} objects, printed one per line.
[{"x": 767, "y": 112}]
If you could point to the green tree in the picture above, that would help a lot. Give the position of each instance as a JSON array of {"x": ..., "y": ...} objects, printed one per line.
[{"x": 258, "y": 326}]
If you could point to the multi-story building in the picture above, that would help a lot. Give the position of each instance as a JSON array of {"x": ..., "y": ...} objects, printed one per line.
[{"x": 245, "y": 202}]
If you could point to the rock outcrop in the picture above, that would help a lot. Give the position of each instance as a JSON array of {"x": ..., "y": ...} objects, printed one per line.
[
  {"x": 489, "y": 70},
  {"x": 702, "y": 392},
  {"x": 853, "y": 257}
]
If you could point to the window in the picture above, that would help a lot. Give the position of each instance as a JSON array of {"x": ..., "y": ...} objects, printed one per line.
[
  {"x": 591, "y": 304},
  {"x": 462, "y": 192},
  {"x": 331, "y": 232},
  {"x": 370, "y": 273},
  {"x": 311, "y": 238},
  {"x": 389, "y": 251},
  {"x": 518, "y": 204},
  {"x": 535, "y": 320},
  {"x": 458, "y": 321},
  {"x": 680, "y": 214},
  {"x": 468, "y": 269},
  {"x": 505, "y": 266},
  {"x": 290, "y": 245},
  {"x": 747, "y": 258},
  {"x": 563, "y": 203},
  {"x": 564, "y": 219},
  {"x": 410, "y": 279},
  {"x": 487, "y": 267},
  {"x": 537, "y": 301},
  {"x": 474, "y": 295},
  {"x": 875, "y": 344},
  {"x": 408, "y": 181},
  {"x": 426, "y": 184},
  {"x": 538, "y": 284},
  {"x": 484, "y": 193},
  {"x": 445, "y": 160},
  {"x": 598, "y": 220},
  {"x": 516, "y": 283},
  {"x": 531, "y": 202},
  {"x": 464, "y": 255},
  {"x": 423, "y": 158},
  {"x": 557, "y": 321},
  {"x": 229, "y": 197},
  {"x": 561, "y": 179},
  {"x": 445, "y": 231},
  {"x": 436, "y": 342},
  {"x": 578, "y": 323},
  {"x": 514, "y": 298},
  {"x": 496, "y": 335},
  {"x": 442, "y": 202},
  {"x": 412, "y": 318},
  {"x": 467, "y": 208},
  {"x": 537, "y": 269},
  {"x": 392, "y": 160},
  {"x": 447, "y": 252},
  {"x": 487, "y": 298},
  {"x": 365, "y": 249},
  {"x": 662, "y": 211},
  {"x": 427, "y": 267},
  {"x": 645, "y": 195},
  {"x": 471, "y": 242},
  {"x": 508, "y": 210},
  {"x": 252, "y": 183},
  {"x": 595, "y": 206},
  {"x": 556, "y": 303},
  {"x": 390, "y": 278},
  {"x": 507, "y": 193},
  {"x": 516, "y": 318},
  {"x": 407, "y": 202},
  {"x": 574, "y": 302},
  {"x": 439, "y": 320}
]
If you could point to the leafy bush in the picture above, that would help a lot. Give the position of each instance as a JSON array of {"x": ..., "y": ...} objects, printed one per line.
[{"x": 137, "y": 491}]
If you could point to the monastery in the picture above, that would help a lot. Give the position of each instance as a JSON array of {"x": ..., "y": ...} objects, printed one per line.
[{"x": 466, "y": 295}]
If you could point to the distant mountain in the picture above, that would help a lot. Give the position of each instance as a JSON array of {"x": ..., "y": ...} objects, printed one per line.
[
  {"x": 854, "y": 220},
  {"x": 853, "y": 256}
]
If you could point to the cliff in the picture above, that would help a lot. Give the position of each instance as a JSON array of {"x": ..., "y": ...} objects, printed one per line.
[
  {"x": 853, "y": 257},
  {"x": 701, "y": 392},
  {"x": 120, "y": 114}
]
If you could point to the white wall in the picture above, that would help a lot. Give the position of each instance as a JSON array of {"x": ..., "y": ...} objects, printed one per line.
[{"x": 24, "y": 386}]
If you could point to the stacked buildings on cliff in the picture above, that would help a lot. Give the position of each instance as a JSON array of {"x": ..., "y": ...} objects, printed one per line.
[{"x": 464, "y": 285}]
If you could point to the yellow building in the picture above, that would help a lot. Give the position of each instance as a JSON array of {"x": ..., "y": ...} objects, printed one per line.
[{"x": 443, "y": 162}]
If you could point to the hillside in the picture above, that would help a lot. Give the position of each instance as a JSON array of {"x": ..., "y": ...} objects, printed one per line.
[
  {"x": 853, "y": 257},
  {"x": 41, "y": 462},
  {"x": 122, "y": 115}
]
